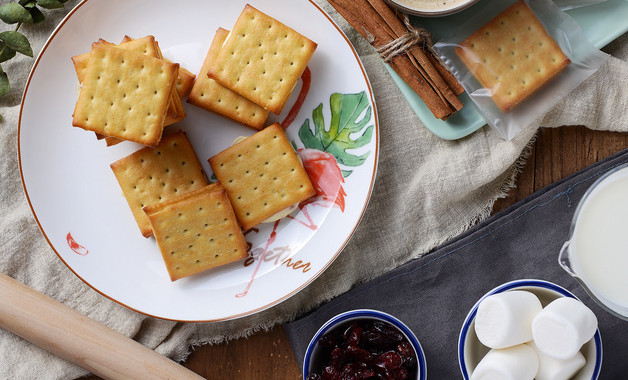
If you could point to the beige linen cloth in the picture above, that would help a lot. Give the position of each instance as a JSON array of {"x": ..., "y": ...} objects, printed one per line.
[{"x": 427, "y": 190}]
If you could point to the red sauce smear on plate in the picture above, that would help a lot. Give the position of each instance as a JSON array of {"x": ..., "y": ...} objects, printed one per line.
[{"x": 306, "y": 78}]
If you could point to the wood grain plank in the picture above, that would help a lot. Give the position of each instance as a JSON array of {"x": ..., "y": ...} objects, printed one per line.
[
  {"x": 564, "y": 151},
  {"x": 524, "y": 184},
  {"x": 265, "y": 355}
]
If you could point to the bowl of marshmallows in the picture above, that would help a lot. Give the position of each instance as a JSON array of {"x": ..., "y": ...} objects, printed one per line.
[{"x": 530, "y": 329}]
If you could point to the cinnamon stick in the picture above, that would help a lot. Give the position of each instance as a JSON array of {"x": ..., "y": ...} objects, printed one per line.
[
  {"x": 421, "y": 59},
  {"x": 452, "y": 82},
  {"x": 379, "y": 24},
  {"x": 357, "y": 13},
  {"x": 397, "y": 29}
]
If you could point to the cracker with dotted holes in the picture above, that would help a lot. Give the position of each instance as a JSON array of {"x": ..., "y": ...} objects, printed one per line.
[
  {"x": 214, "y": 97},
  {"x": 262, "y": 59},
  {"x": 184, "y": 83},
  {"x": 125, "y": 95},
  {"x": 185, "y": 79},
  {"x": 262, "y": 175},
  {"x": 512, "y": 55},
  {"x": 153, "y": 175},
  {"x": 148, "y": 46},
  {"x": 197, "y": 231},
  {"x": 80, "y": 61},
  {"x": 175, "y": 110}
]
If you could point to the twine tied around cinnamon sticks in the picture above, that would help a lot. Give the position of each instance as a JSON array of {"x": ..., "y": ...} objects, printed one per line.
[
  {"x": 407, "y": 51},
  {"x": 415, "y": 36}
]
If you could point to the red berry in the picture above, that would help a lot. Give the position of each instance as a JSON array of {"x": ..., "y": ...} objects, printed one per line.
[
  {"x": 337, "y": 358},
  {"x": 389, "y": 360}
]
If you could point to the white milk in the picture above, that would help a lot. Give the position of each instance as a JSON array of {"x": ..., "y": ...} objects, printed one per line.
[
  {"x": 432, "y": 4},
  {"x": 599, "y": 250}
]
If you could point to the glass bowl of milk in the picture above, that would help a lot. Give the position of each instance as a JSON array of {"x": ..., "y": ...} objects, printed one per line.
[
  {"x": 431, "y": 8},
  {"x": 597, "y": 251}
]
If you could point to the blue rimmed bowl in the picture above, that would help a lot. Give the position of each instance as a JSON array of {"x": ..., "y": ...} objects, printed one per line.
[
  {"x": 471, "y": 351},
  {"x": 313, "y": 355}
]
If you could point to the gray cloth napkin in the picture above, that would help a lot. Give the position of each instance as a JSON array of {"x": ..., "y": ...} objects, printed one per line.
[
  {"x": 433, "y": 294},
  {"x": 427, "y": 191}
]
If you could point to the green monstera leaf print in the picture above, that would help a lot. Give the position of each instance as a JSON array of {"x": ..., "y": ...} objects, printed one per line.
[{"x": 348, "y": 118}]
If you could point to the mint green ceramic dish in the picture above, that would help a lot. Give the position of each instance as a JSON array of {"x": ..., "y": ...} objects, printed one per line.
[{"x": 602, "y": 23}]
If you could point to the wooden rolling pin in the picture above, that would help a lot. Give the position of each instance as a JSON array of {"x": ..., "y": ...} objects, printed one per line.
[{"x": 79, "y": 339}]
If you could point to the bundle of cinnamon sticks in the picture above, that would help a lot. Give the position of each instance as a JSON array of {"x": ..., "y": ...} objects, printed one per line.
[{"x": 417, "y": 66}]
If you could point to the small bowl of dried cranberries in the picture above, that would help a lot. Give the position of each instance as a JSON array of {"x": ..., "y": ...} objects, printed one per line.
[{"x": 364, "y": 344}]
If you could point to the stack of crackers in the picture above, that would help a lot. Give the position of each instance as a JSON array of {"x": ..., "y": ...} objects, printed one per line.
[
  {"x": 128, "y": 91},
  {"x": 169, "y": 195},
  {"x": 198, "y": 225},
  {"x": 251, "y": 70}
]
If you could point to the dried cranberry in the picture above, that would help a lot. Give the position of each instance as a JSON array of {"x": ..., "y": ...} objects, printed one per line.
[
  {"x": 337, "y": 358},
  {"x": 398, "y": 374},
  {"x": 359, "y": 355},
  {"x": 355, "y": 372},
  {"x": 389, "y": 360},
  {"x": 390, "y": 332},
  {"x": 327, "y": 341},
  {"x": 352, "y": 335},
  {"x": 406, "y": 351},
  {"x": 367, "y": 374},
  {"x": 348, "y": 372},
  {"x": 331, "y": 373},
  {"x": 382, "y": 336},
  {"x": 314, "y": 376}
]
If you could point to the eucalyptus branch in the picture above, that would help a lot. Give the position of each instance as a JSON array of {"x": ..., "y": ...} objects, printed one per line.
[
  {"x": 4, "y": 48},
  {"x": 12, "y": 41}
]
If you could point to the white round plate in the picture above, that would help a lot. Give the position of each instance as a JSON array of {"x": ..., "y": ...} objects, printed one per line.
[{"x": 80, "y": 208}]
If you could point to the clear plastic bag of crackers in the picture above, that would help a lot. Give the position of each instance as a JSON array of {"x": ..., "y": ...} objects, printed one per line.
[{"x": 518, "y": 59}]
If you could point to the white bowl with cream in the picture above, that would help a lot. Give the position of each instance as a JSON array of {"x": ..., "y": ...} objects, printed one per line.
[{"x": 431, "y": 8}]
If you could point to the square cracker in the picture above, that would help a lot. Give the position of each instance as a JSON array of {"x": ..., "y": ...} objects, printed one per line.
[
  {"x": 197, "y": 231},
  {"x": 125, "y": 95},
  {"x": 184, "y": 83},
  {"x": 175, "y": 110},
  {"x": 80, "y": 61},
  {"x": 148, "y": 46},
  {"x": 262, "y": 175},
  {"x": 153, "y": 175},
  {"x": 214, "y": 97},
  {"x": 512, "y": 55},
  {"x": 262, "y": 59}
]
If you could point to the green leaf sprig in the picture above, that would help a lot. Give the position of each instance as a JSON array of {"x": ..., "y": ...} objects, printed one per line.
[{"x": 12, "y": 41}]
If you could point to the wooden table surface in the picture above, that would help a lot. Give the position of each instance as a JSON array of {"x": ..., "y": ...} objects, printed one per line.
[{"x": 557, "y": 153}]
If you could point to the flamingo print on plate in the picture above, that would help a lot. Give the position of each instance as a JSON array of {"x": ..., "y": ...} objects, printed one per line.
[{"x": 330, "y": 154}]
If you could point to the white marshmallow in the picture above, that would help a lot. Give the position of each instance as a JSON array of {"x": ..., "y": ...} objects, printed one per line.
[
  {"x": 554, "y": 369},
  {"x": 562, "y": 328},
  {"x": 505, "y": 319},
  {"x": 513, "y": 363}
]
